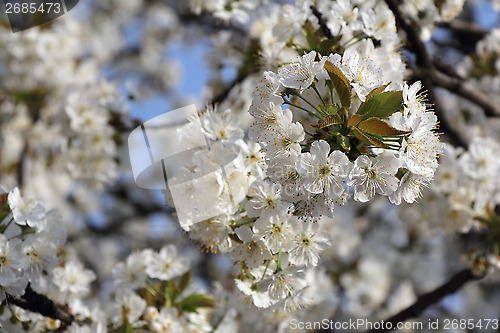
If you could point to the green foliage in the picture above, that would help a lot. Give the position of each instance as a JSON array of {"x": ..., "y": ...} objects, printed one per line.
[
  {"x": 327, "y": 110},
  {"x": 33, "y": 99},
  {"x": 167, "y": 293},
  {"x": 345, "y": 143},
  {"x": 369, "y": 139},
  {"x": 331, "y": 119},
  {"x": 376, "y": 126},
  {"x": 184, "y": 281},
  {"x": 316, "y": 42},
  {"x": 401, "y": 172},
  {"x": 341, "y": 84},
  {"x": 124, "y": 328},
  {"x": 382, "y": 105},
  {"x": 195, "y": 301},
  {"x": 355, "y": 119}
]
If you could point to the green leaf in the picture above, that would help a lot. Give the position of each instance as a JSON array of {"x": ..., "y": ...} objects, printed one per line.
[
  {"x": 401, "y": 172},
  {"x": 341, "y": 84},
  {"x": 326, "y": 110},
  {"x": 326, "y": 45},
  {"x": 169, "y": 290},
  {"x": 382, "y": 105},
  {"x": 331, "y": 119},
  {"x": 183, "y": 284},
  {"x": 376, "y": 91},
  {"x": 345, "y": 143},
  {"x": 378, "y": 127},
  {"x": 355, "y": 119},
  {"x": 368, "y": 139},
  {"x": 372, "y": 93},
  {"x": 195, "y": 301},
  {"x": 125, "y": 328},
  {"x": 363, "y": 138},
  {"x": 312, "y": 37}
]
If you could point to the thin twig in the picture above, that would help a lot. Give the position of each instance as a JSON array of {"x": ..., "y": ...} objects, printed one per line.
[
  {"x": 466, "y": 90},
  {"x": 322, "y": 23},
  {"x": 465, "y": 28},
  {"x": 428, "y": 299}
]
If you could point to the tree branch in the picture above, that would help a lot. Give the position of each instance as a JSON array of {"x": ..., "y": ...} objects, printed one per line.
[
  {"x": 465, "y": 28},
  {"x": 428, "y": 299},
  {"x": 322, "y": 23},
  {"x": 424, "y": 60},
  {"x": 466, "y": 90},
  {"x": 411, "y": 29},
  {"x": 34, "y": 302},
  {"x": 221, "y": 96}
]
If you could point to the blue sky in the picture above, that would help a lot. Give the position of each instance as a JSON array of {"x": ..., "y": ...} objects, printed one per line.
[{"x": 193, "y": 77}]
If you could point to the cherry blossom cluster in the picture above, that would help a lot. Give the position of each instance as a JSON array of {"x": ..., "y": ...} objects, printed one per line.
[
  {"x": 288, "y": 179},
  {"x": 30, "y": 237},
  {"x": 150, "y": 290},
  {"x": 56, "y": 101},
  {"x": 357, "y": 135},
  {"x": 273, "y": 249},
  {"x": 388, "y": 146},
  {"x": 463, "y": 198}
]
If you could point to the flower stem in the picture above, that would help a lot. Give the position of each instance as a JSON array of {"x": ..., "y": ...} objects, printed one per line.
[
  {"x": 317, "y": 93},
  {"x": 278, "y": 263},
  {"x": 265, "y": 270},
  {"x": 305, "y": 100},
  {"x": 300, "y": 107}
]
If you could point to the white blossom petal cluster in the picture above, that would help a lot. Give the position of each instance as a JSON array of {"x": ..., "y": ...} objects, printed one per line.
[
  {"x": 430, "y": 12},
  {"x": 270, "y": 225},
  {"x": 327, "y": 173},
  {"x": 330, "y": 123},
  {"x": 361, "y": 71},
  {"x": 30, "y": 237},
  {"x": 29, "y": 263}
]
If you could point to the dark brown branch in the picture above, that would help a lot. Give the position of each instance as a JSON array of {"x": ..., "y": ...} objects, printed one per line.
[
  {"x": 220, "y": 97},
  {"x": 426, "y": 300},
  {"x": 445, "y": 68},
  {"x": 424, "y": 60},
  {"x": 412, "y": 30},
  {"x": 21, "y": 165},
  {"x": 34, "y": 302},
  {"x": 322, "y": 23},
  {"x": 465, "y": 28},
  {"x": 466, "y": 90}
]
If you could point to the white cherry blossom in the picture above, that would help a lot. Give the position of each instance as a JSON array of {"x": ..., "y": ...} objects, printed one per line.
[
  {"x": 166, "y": 264},
  {"x": 309, "y": 243},
  {"x": 12, "y": 260},
  {"x": 299, "y": 74},
  {"x": 323, "y": 171},
  {"x": 374, "y": 175}
]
